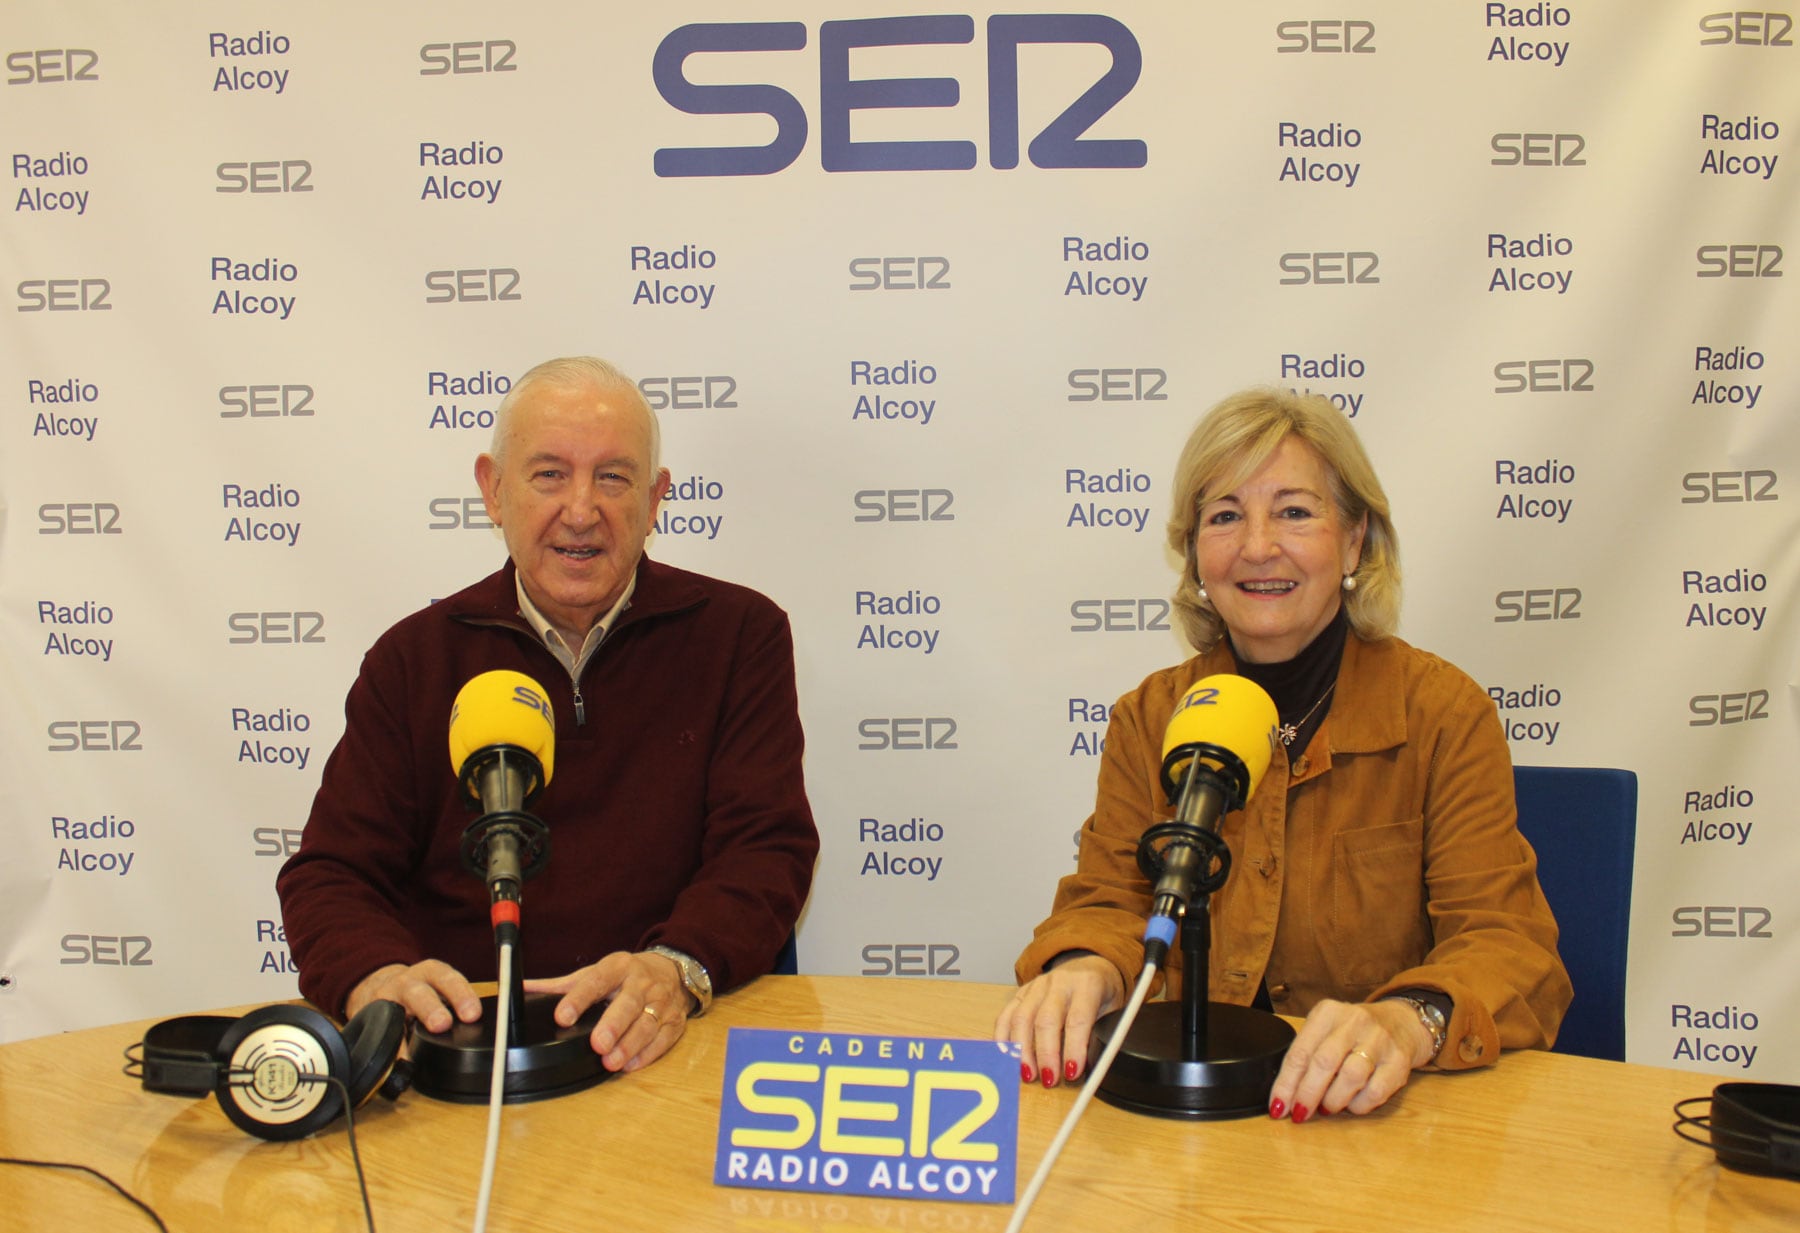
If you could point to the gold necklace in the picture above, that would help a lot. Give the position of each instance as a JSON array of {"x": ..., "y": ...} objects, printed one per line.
[{"x": 1289, "y": 732}]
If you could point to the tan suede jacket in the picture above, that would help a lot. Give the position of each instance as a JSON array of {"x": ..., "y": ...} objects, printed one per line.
[{"x": 1387, "y": 858}]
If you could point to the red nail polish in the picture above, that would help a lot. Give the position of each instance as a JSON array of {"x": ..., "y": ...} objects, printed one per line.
[
  {"x": 1277, "y": 1108},
  {"x": 1069, "y": 1071},
  {"x": 1049, "y": 1077},
  {"x": 1301, "y": 1113},
  {"x": 1025, "y": 1075}
]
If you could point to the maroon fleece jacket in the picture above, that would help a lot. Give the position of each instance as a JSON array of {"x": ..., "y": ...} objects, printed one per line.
[{"x": 677, "y": 807}]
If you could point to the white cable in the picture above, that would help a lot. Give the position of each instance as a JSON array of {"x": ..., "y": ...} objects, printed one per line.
[
  {"x": 1087, "y": 1095},
  {"x": 496, "y": 1090}
]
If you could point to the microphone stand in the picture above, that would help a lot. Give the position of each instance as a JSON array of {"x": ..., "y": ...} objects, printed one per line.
[
  {"x": 506, "y": 845},
  {"x": 1194, "y": 1059}
]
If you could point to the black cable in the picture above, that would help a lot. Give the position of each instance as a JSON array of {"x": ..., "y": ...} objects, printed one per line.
[
  {"x": 362, "y": 1184},
  {"x": 81, "y": 1168}
]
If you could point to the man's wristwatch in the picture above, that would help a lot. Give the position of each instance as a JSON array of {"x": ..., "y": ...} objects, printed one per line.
[
  {"x": 1432, "y": 1018},
  {"x": 693, "y": 974}
]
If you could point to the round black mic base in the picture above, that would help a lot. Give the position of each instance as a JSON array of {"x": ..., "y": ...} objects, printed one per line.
[
  {"x": 1231, "y": 1078},
  {"x": 543, "y": 1059}
]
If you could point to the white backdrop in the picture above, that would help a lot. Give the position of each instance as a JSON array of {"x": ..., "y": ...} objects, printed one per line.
[{"x": 923, "y": 373}]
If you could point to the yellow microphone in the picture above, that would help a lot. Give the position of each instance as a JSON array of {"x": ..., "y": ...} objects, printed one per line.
[
  {"x": 503, "y": 749},
  {"x": 1218, "y": 744},
  {"x": 1218, "y": 716},
  {"x": 501, "y": 708}
]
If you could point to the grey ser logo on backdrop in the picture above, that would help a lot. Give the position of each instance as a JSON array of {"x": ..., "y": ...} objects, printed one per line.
[
  {"x": 288, "y": 175},
  {"x": 95, "y": 736},
  {"x": 265, "y": 401},
  {"x": 911, "y": 959},
  {"x": 79, "y": 518},
  {"x": 1748, "y": 27},
  {"x": 275, "y": 628},
  {"x": 904, "y": 505},
  {"x": 474, "y": 56},
  {"x": 51, "y": 65},
  {"x": 1728, "y": 487},
  {"x": 107, "y": 950},
  {"x": 65, "y": 295}
]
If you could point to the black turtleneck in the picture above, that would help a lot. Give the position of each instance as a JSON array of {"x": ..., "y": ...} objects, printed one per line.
[{"x": 1298, "y": 684}]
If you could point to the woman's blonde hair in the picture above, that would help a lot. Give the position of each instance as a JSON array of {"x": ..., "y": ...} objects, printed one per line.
[{"x": 1227, "y": 447}]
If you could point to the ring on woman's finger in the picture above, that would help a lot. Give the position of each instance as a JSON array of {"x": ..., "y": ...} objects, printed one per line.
[
  {"x": 654, "y": 1017},
  {"x": 1364, "y": 1055}
]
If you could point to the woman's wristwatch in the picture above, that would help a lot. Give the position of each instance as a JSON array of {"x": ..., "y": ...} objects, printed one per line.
[{"x": 1431, "y": 1016}]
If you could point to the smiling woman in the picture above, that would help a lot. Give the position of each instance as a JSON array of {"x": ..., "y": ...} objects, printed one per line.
[{"x": 1383, "y": 891}]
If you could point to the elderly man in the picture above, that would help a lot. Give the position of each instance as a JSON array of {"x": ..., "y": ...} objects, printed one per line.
[{"x": 682, "y": 842}]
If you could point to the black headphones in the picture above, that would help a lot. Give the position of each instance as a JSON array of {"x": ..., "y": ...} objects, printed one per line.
[
  {"x": 280, "y": 1072},
  {"x": 1752, "y": 1126}
]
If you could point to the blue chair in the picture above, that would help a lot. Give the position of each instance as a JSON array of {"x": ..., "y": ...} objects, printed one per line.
[
  {"x": 1582, "y": 821},
  {"x": 787, "y": 959}
]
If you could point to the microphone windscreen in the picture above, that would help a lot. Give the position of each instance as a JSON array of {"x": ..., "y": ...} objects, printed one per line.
[
  {"x": 502, "y": 708},
  {"x": 1232, "y": 712}
]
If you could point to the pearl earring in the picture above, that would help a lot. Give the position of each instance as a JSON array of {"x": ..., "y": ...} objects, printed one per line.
[
  {"x": 1349, "y": 582},
  {"x": 1202, "y": 583}
]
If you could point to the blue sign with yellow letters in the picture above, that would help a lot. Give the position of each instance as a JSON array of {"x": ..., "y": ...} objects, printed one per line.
[{"x": 896, "y": 1116}]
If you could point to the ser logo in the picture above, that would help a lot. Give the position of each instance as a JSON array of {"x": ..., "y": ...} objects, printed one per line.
[
  {"x": 95, "y": 736},
  {"x": 107, "y": 950},
  {"x": 911, "y": 959},
  {"x": 265, "y": 401},
  {"x": 282, "y": 841},
  {"x": 905, "y": 505},
  {"x": 275, "y": 628},
  {"x": 1748, "y": 27},
  {"x": 1351, "y": 37},
  {"x": 1119, "y": 616},
  {"x": 1539, "y": 604},
  {"x": 79, "y": 518},
  {"x": 472, "y": 286},
  {"x": 1721, "y": 921},
  {"x": 491, "y": 56},
  {"x": 1728, "y": 487},
  {"x": 1738, "y": 708},
  {"x": 900, "y": 274},
  {"x": 1335, "y": 269},
  {"x": 1060, "y": 144},
  {"x": 1739, "y": 261},
  {"x": 288, "y": 175},
  {"x": 1575, "y": 376},
  {"x": 1538, "y": 150},
  {"x": 1118, "y": 385},
  {"x": 459, "y": 513},
  {"x": 52, "y": 65},
  {"x": 910, "y": 733},
  {"x": 65, "y": 295},
  {"x": 689, "y": 393}
]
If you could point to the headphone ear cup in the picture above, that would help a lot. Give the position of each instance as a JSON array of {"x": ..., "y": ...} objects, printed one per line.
[
  {"x": 373, "y": 1036},
  {"x": 272, "y": 1065},
  {"x": 1756, "y": 1127}
]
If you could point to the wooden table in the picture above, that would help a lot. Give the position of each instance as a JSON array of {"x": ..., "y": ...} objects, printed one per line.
[{"x": 1540, "y": 1142}]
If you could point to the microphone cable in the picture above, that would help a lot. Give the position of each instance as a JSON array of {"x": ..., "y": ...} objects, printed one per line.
[
  {"x": 1095, "y": 1077},
  {"x": 496, "y": 1089}
]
